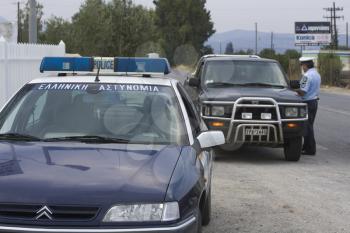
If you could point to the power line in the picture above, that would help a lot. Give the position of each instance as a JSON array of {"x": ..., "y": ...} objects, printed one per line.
[
  {"x": 333, "y": 18},
  {"x": 256, "y": 38}
]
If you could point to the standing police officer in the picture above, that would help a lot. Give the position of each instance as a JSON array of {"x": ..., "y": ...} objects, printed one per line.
[{"x": 309, "y": 90}]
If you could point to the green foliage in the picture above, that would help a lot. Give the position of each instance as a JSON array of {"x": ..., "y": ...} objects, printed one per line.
[
  {"x": 121, "y": 28},
  {"x": 182, "y": 22},
  {"x": 229, "y": 48},
  {"x": 330, "y": 67},
  {"x": 244, "y": 52},
  {"x": 113, "y": 28},
  {"x": 268, "y": 53},
  {"x": 207, "y": 50},
  {"x": 56, "y": 29}
]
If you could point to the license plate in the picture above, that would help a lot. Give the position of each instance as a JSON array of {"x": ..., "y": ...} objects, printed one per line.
[{"x": 256, "y": 132}]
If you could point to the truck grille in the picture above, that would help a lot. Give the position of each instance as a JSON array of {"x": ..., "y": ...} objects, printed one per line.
[
  {"x": 256, "y": 113},
  {"x": 58, "y": 213}
]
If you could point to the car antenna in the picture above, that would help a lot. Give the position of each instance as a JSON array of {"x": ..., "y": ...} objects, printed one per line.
[{"x": 97, "y": 79}]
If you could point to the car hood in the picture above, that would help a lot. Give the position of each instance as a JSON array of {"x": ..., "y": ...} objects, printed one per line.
[
  {"x": 77, "y": 173},
  {"x": 233, "y": 93}
]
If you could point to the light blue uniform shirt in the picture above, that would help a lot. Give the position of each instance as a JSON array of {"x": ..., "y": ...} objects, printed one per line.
[{"x": 311, "y": 84}]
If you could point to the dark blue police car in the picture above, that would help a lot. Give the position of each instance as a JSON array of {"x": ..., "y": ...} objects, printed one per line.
[{"x": 107, "y": 153}]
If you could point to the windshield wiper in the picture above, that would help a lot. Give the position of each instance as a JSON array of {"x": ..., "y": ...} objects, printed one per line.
[
  {"x": 18, "y": 137},
  {"x": 217, "y": 84},
  {"x": 263, "y": 85},
  {"x": 88, "y": 139}
]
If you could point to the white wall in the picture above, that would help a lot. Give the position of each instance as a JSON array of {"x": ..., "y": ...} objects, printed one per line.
[{"x": 19, "y": 63}]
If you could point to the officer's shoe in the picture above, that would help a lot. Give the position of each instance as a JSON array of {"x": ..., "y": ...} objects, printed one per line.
[{"x": 304, "y": 152}]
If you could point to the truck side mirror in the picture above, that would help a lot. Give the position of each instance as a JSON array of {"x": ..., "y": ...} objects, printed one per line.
[
  {"x": 194, "y": 82},
  {"x": 295, "y": 84}
]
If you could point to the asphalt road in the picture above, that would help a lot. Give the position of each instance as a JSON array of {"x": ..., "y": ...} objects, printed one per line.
[{"x": 255, "y": 190}]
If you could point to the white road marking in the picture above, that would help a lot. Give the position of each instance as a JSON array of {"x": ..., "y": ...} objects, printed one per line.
[{"x": 335, "y": 110}]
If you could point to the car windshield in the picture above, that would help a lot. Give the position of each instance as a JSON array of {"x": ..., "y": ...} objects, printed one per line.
[
  {"x": 245, "y": 73},
  {"x": 142, "y": 114}
]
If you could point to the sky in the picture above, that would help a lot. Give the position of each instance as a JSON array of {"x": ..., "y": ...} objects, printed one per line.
[{"x": 271, "y": 15}]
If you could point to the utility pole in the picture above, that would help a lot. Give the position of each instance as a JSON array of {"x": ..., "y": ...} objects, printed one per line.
[
  {"x": 256, "y": 38},
  {"x": 347, "y": 35},
  {"x": 19, "y": 27},
  {"x": 333, "y": 18},
  {"x": 272, "y": 44},
  {"x": 33, "y": 27}
]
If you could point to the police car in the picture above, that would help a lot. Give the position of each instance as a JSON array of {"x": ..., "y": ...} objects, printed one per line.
[
  {"x": 251, "y": 100},
  {"x": 118, "y": 152}
]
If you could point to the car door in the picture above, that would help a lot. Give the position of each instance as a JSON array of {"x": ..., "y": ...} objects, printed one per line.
[{"x": 197, "y": 125}]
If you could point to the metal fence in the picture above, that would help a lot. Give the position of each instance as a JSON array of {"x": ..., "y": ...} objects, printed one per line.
[{"x": 19, "y": 63}]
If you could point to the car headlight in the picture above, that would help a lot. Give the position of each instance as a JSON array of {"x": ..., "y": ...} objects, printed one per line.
[
  {"x": 217, "y": 111},
  {"x": 143, "y": 213},
  {"x": 291, "y": 112},
  {"x": 303, "y": 112}
]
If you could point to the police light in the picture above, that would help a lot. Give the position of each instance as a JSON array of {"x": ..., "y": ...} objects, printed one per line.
[
  {"x": 67, "y": 64},
  {"x": 120, "y": 65},
  {"x": 141, "y": 65}
]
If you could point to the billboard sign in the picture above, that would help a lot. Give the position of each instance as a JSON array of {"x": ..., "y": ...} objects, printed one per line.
[{"x": 312, "y": 33}]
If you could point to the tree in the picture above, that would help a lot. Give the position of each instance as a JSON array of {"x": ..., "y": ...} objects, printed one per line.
[
  {"x": 56, "y": 29},
  {"x": 207, "y": 49},
  {"x": 182, "y": 22},
  {"x": 268, "y": 53},
  {"x": 90, "y": 29},
  {"x": 115, "y": 28},
  {"x": 229, "y": 48},
  {"x": 24, "y": 20}
]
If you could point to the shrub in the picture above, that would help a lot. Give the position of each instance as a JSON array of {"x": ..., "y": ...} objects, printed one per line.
[{"x": 330, "y": 68}]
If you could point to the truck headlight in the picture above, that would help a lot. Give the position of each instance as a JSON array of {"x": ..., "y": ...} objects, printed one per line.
[
  {"x": 291, "y": 112},
  {"x": 143, "y": 213},
  {"x": 217, "y": 111},
  {"x": 303, "y": 112}
]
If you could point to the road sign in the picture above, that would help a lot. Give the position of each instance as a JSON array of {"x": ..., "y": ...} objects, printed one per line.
[{"x": 312, "y": 33}]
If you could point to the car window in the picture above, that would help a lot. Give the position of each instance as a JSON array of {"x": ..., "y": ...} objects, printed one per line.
[
  {"x": 139, "y": 113},
  {"x": 191, "y": 111},
  {"x": 243, "y": 72},
  {"x": 199, "y": 70}
]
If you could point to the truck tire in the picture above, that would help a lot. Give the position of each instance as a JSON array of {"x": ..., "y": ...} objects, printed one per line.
[
  {"x": 206, "y": 211},
  {"x": 292, "y": 149},
  {"x": 199, "y": 222}
]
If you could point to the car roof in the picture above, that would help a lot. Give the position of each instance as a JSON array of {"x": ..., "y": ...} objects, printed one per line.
[
  {"x": 162, "y": 81},
  {"x": 236, "y": 58}
]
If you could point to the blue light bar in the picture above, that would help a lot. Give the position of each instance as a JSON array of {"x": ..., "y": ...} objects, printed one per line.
[
  {"x": 141, "y": 65},
  {"x": 67, "y": 64}
]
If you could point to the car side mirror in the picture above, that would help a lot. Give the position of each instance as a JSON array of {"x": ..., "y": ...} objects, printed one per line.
[
  {"x": 194, "y": 82},
  {"x": 210, "y": 139},
  {"x": 294, "y": 84}
]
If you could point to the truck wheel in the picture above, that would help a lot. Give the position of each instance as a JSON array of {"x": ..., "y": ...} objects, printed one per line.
[
  {"x": 292, "y": 149},
  {"x": 206, "y": 212},
  {"x": 199, "y": 222}
]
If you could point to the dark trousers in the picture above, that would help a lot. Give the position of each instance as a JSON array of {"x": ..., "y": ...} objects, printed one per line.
[{"x": 309, "y": 138}]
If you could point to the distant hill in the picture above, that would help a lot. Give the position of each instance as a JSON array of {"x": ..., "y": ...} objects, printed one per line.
[{"x": 244, "y": 39}]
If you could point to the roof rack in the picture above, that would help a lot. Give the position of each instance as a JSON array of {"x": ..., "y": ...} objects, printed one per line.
[{"x": 228, "y": 55}]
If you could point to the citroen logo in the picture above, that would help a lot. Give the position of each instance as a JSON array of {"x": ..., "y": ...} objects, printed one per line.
[{"x": 44, "y": 212}]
